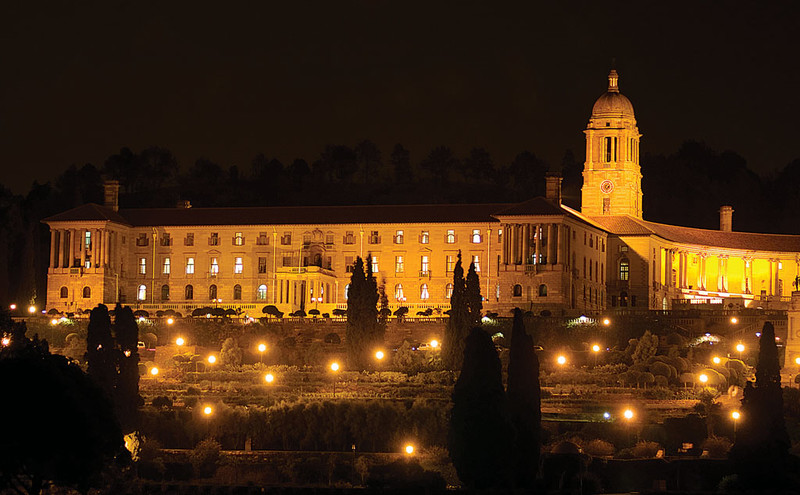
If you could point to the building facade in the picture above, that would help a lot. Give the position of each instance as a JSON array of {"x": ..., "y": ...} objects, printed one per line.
[{"x": 537, "y": 255}]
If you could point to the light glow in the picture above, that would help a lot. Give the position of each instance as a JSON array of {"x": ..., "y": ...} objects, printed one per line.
[
  {"x": 740, "y": 347},
  {"x": 703, "y": 378},
  {"x": 595, "y": 348},
  {"x": 434, "y": 343},
  {"x": 379, "y": 355},
  {"x": 262, "y": 347},
  {"x": 628, "y": 414},
  {"x": 716, "y": 360},
  {"x": 179, "y": 341},
  {"x": 606, "y": 322},
  {"x": 409, "y": 449},
  {"x": 212, "y": 359},
  {"x": 269, "y": 378},
  {"x": 735, "y": 415},
  {"x": 154, "y": 371},
  {"x": 170, "y": 321},
  {"x": 31, "y": 309},
  {"x": 334, "y": 366},
  {"x": 208, "y": 410},
  {"x": 562, "y": 360}
]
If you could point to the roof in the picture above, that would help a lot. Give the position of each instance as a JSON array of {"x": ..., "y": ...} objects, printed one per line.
[
  {"x": 309, "y": 215},
  {"x": 535, "y": 206},
  {"x": 88, "y": 212},
  {"x": 627, "y": 225}
]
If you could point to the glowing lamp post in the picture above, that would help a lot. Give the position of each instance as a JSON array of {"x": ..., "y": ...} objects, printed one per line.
[
  {"x": 6, "y": 341},
  {"x": 269, "y": 378},
  {"x": 735, "y": 415},
  {"x": 262, "y": 348},
  {"x": 409, "y": 449},
  {"x": 211, "y": 360},
  {"x": 379, "y": 355},
  {"x": 734, "y": 320},
  {"x": 606, "y": 322},
  {"x": 170, "y": 321},
  {"x": 595, "y": 351},
  {"x": 434, "y": 344},
  {"x": 12, "y": 307},
  {"x": 31, "y": 309},
  {"x": 561, "y": 360},
  {"x": 716, "y": 360},
  {"x": 703, "y": 379},
  {"x": 334, "y": 369},
  {"x": 180, "y": 341},
  {"x": 154, "y": 371}
]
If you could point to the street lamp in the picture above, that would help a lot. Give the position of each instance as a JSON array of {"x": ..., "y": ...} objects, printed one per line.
[
  {"x": 434, "y": 344},
  {"x": 334, "y": 369},
  {"x": 180, "y": 341},
  {"x": 379, "y": 355},
  {"x": 561, "y": 360},
  {"x": 606, "y": 322},
  {"x": 31, "y": 309},
  {"x": 12, "y": 307},
  {"x": 734, "y": 320},
  {"x": 716, "y": 360},
  {"x": 170, "y": 321},
  {"x": 409, "y": 449},
  {"x": 735, "y": 415},
  {"x": 211, "y": 360},
  {"x": 595, "y": 350},
  {"x": 261, "y": 349},
  {"x": 269, "y": 378},
  {"x": 154, "y": 371},
  {"x": 208, "y": 410},
  {"x": 740, "y": 350},
  {"x": 6, "y": 341}
]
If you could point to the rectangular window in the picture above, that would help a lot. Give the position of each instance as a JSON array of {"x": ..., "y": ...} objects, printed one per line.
[
  {"x": 424, "y": 237},
  {"x": 214, "y": 266},
  {"x": 306, "y": 239},
  {"x": 189, "y": 266},
  {"x": 499, "y": 236},
  {"x": 399, "y": 266},
  {"x": 329, "y": 239},
  {"x": 477, "y": 261},
  {"x": 262, "y": 265},
  {"x": 607, "y": 149},
  {"x": 348, "y": 264},
  {"x": 349, "y": 238},
  {"x": 141, "y": 240},
  {"x": 398, "y": 237},
  {"x": 165, "y": 267},
  {"x": 476, "y": 236},
  {"x": 375, "y": 264},
  {"x": 287, "y": 261},
  {"x": 262, "y": 239},
  {"x": 165, "y": 239},
  {"x": 188, "y": 240},
  {"x": 450, "y": 238},
  {"x": 143, "y": 266},
  {"x": 87, "y": 240},
  {"x": 374, "y": 238},
  {"x": 424, "y": 266},
  {"x": 238, "y": 239},
  {"x": 238, "y": 265},
  {"x": 606, "y": 206},
  {"x": 450, "y": 263},
  {"x": 214, "y": 239},
  {"x": 286, "y": 239}
]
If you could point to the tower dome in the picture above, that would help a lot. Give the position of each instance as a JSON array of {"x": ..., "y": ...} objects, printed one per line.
[{"x": 612, "y": 103}]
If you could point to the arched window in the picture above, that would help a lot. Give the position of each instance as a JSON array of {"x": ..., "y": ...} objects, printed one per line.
[
  {"x": 423, "y": 292},
  {"x": 398, "y": 292},
  {"x": 212, "y": 292},
  {"x": 261, "y": 295},
  {"x": 517, "y": 290},
  {"x": 141, "y": 293},
  {"x": 237, "y": 292},
  {"x": 87, "y": 292},
  {"x": 188, "y": 293},
  {"x": 165, "y": 292},
  {"x": 63, "y": 293},
  {"x": 542, "y": 290},
  {"x": 624, "y": 269}
]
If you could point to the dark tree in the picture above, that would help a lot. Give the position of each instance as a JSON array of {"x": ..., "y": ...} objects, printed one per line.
[
  {"x": 298, "y": 171},
  {"x": 368, "y": 157},
  {"x": 458, "y": 323},
  {"x": 127, "y": 399},
  {"x": 439, "y": 163},
  {"x": 477, "y": 166},
  {"x": 100, "y": 352},
  {"x": 761, "y": 452},
  {"x": 58, "y": 426},
  {"x": 363, "y": 332},
  {"x": 473, "y": 296},
  {"x": 384, "y": 313},
  {"x": 524, "y": 403},
  {"x": 401, "y": 163},
  {"x": 480, "y": 432}
]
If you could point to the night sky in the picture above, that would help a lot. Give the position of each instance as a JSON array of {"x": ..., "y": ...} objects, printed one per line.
[{"x": 228, "y": 80}]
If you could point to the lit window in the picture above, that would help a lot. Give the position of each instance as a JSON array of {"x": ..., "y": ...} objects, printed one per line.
[
  {"x": 238, "y": 266},
  {"x": 165, "y": 268},
  {"x": 374, "y": 238},
  {"x": 476, "y": 260},
  {"x": 346, "y": 291},
  {"x": 448, "y": 291},
  {"x": 424, "y": 238},
  {"x": 451, "y": 237},
  {"x": 214, "y": 266},
  {"x": 398, "y": 292},
  {"x": 214, "y": 239},
  {"x": 189, "y": 266},
  {"x": 142, "y": 266},
  {"x": 262, "y": 239},
  {"x": 624, "y": 269},
  {"x": 261, "y": 295},
  {"x": 349, "y": 238},
  {"x": 398, "y": 237},
  {"x": 238, "y": 239},
  {"x": 450, "y": 263},
  {"x": 424, "y": 265},
  {"x": 166, "y": 240},
  {"x": 374, "y": 264},
  {"x": 348, "y": 264},
  {"x": 476, "y": 236},
  {"x": 423, "y": 292},
  {"x": 87, "y": 240},
  {"x": 398, "y": 264},
  {"x": 165, "y": 292},
  {"x": 189, "y": 240},
  {"x": 286, "y": 239},
  {"x": 141, "y": 293},
  {"x": 188, "y": 293},
  {"x": 237, "y": 292},
  {"x": 262, "y": 265}
]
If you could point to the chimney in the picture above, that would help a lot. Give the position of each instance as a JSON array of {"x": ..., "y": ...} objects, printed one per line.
[
  {"x": 111, "y": 194},
  {"x": 552, "y": 189},
  {"x": 184, "y": 204},
  {"x": 726, "y": 218}
]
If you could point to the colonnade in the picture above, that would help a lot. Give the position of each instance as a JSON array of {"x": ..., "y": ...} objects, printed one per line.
[
  {"x": 68, "y": 248},
  {"x": 535, "y": 244}
]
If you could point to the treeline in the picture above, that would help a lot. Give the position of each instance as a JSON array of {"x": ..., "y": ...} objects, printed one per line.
[{"x": 685, "y": 188}]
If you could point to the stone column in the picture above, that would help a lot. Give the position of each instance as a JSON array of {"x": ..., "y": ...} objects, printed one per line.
[
  {"x": 538, "y": 247},
  {"x": 551, "y": 245},
  {"x": 106, "y": 251},
  {"x": 771, "y": 278},
  {"x": 526, "y": 243},
  {"x": 52, "y": 249},
  {"x": 60, "y": 251},
  {"x": 559, "y": 241}
]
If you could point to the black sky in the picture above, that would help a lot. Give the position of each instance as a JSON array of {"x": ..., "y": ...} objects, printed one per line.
[{"x": 227, "y": 80}]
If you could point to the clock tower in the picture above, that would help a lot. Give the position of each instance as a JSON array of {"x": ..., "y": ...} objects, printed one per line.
[{"x": 612, "y": 177}]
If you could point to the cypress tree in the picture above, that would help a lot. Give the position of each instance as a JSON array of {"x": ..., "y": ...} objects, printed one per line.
[
  {"x": 458, "y": 323},
  {"x": 473, "y": 296},
  {"x": 364, "y": 331},
  {"x": 127, "y": 398},
  {"x": 524, "y": 402},
  {"x": 100, "y": 352},
  {"x": 761, "y": 452},
  {"x": 479, "y": 434},
  {"x": 375, "y": 331}
]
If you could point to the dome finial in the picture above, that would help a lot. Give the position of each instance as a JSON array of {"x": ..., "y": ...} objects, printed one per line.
[{"x": 613, "y": 79}]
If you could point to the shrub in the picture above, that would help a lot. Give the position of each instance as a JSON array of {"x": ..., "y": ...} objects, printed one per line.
[
  {"x": 598, "y": 448},
  {"x": 645, "y": 449},
  {"x": 405, "y": 474},
  {"x": 205, "y": 458},
  {"x": 231, "y": 354},
  {"x": 151, "y": 461},
  {"x": 659, "y": 392},
  {"x": 717, "y": 447},
  {"x": 162, "y": 402}
]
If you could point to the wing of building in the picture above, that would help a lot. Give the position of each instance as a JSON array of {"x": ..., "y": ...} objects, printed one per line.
[{"x": 535, "y": 255}]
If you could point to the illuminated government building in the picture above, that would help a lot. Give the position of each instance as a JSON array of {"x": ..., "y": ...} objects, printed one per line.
[{"x": 536, "y": 255}]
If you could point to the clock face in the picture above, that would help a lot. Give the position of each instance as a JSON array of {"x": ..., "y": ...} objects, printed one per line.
[{"x": 606, "y": 186}]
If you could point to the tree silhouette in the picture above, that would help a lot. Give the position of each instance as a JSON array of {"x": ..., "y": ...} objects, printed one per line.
[
  {"x": 761, "y": 452},
  {"x": 127, "y": 399},
  {"x": 363, "y": 332},
  {"x": 100, "y": 352},
  {"x": 439, "y": 163},
  {"x": 401, "y": 163},
  {"x": 473, "y": 296},
  {"x": 458, "y": 323},
  {"x": 58, "y": 426},
  {"x": 479, "y": 436},
  {"x": 524, "y": 402}
]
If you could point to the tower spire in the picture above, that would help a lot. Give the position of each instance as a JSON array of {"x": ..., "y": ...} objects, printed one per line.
[{"x": 613, "y": 80}]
